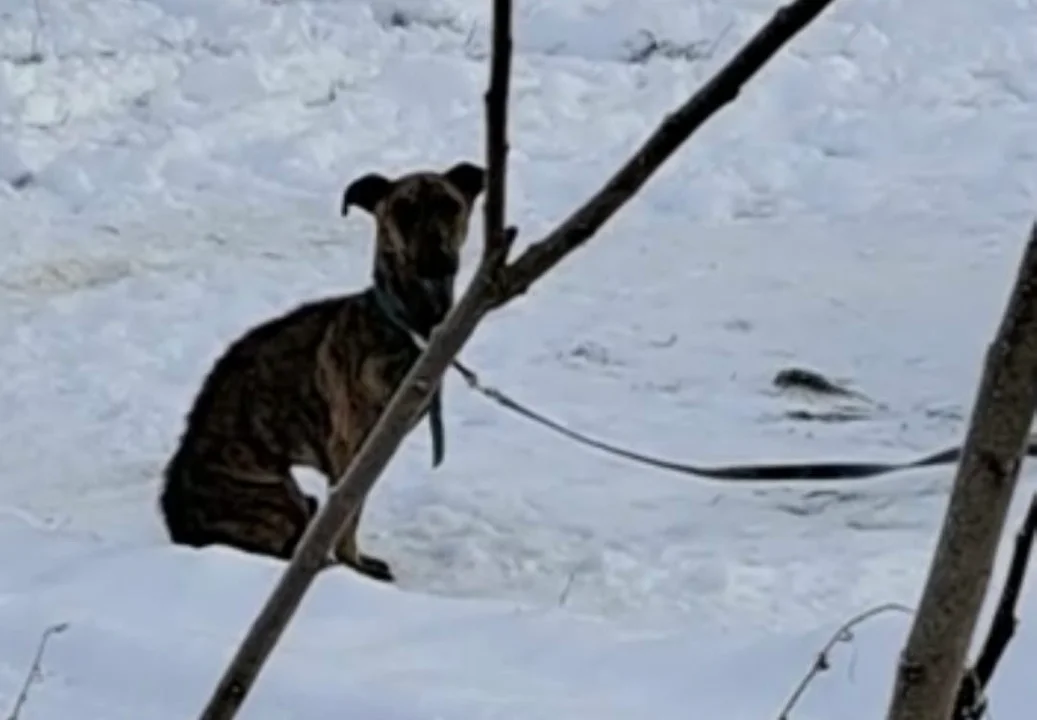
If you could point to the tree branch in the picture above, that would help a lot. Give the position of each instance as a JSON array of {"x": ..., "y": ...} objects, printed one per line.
[
  {"x": 484, "y": 292},
  {"x": 35, "y": 673},
  {"x": 722, "y": 89},
  {"x": 970, "y": 703},
  {"x": 931, "y": 665},
  {"x": 823, "y": 660},
  {"x": 498, "y": 243}
]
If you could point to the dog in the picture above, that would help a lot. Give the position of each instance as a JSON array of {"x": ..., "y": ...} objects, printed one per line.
[{"x": 306, "y": 388}]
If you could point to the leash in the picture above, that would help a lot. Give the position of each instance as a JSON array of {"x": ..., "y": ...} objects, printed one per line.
[
  {"x": 777, "y": 471},
  {"x": 836, "y": 470}
]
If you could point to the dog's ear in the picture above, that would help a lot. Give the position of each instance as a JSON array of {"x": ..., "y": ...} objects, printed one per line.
[
  {"x": 468, "y": 178},
  {"x": 365, "y": 191}
]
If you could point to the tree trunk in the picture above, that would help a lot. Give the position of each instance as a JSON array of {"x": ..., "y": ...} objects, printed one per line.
[{"x": 933, "y": 660}]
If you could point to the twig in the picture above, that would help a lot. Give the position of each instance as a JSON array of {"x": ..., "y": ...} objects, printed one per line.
[
  {"x": 842, "y": 635},
  {"x": 563, "y": 596},
  {"x": 484, "y": 292},
  {"x": 933, "y": 660},
  {"x": 721, "y": 90},
  {"x": 970, "y": 703},
  {"x": 35, "y": 673},
  {"x": 715, "y": 45}
]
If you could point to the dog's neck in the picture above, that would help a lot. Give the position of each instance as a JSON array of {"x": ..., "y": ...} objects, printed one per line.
[{"x": 419, "y": 304}]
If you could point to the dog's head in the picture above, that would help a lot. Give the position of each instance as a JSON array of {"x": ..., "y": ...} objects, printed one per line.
[{"x": 422, "y": 218}]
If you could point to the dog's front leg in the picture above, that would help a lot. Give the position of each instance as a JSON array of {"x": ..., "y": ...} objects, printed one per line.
[{"x": 346, "y": 549}]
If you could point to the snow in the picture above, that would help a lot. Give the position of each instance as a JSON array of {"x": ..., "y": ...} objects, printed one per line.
[
  {"x": 170, "y": 172},
  {"x": 155, "y": 650}
]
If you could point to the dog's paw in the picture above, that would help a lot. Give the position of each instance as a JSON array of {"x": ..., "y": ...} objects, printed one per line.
[{"x": 375, "y": 568}]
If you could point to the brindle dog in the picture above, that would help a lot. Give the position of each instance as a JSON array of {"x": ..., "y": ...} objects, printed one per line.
[{"x": 307, "y": 387}]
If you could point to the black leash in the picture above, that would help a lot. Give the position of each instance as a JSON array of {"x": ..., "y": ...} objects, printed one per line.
[
  {"x": 839, "y": 470},
  {"x": 775, "y": 471}
]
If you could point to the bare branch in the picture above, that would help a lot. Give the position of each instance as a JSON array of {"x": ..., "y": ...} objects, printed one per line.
[
  {"x": 498, "y": 243},
  {"x": 823, "y": 661},
  {"x": 483, "y": 293},
  {"x": 931, "y": 665},
  {"x": 970, "y": 704},
  {"x": 722, "y": 89},
  {"x": 1005, "y": 621},
  {"x": 35, "y": 673}
]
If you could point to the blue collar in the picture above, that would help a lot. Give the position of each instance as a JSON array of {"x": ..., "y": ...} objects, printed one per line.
[{"x": 394, "y": 310}]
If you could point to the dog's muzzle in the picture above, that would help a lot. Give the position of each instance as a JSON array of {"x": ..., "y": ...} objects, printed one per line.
[{"x": 439, "y": 265}]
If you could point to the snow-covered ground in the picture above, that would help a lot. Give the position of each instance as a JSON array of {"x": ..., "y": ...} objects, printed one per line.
[{"x": 170, "y": 172}]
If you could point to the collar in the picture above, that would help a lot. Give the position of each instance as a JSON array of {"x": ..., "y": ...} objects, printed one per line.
[{"x": 396, "y": 313}]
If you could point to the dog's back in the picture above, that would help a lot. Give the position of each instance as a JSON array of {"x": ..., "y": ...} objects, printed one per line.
[{"x": 258, "y": 412}]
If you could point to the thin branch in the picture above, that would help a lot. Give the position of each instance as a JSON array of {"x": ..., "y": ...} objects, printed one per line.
[
  {"x": 933, "y": 660},
  {"x": 721, "y": 90},
  {"x": 969, "y": 704},
  {"x": 482, "y": 294},
  {"x": 398, "y": 417},
  {"x": 843, "y": 635},
  {"x": 498, "y": 243},
  {"x": 35, "y": 673},
  {"x": 1005, "y": 621},
  {"x": 570, "y": 581}
]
